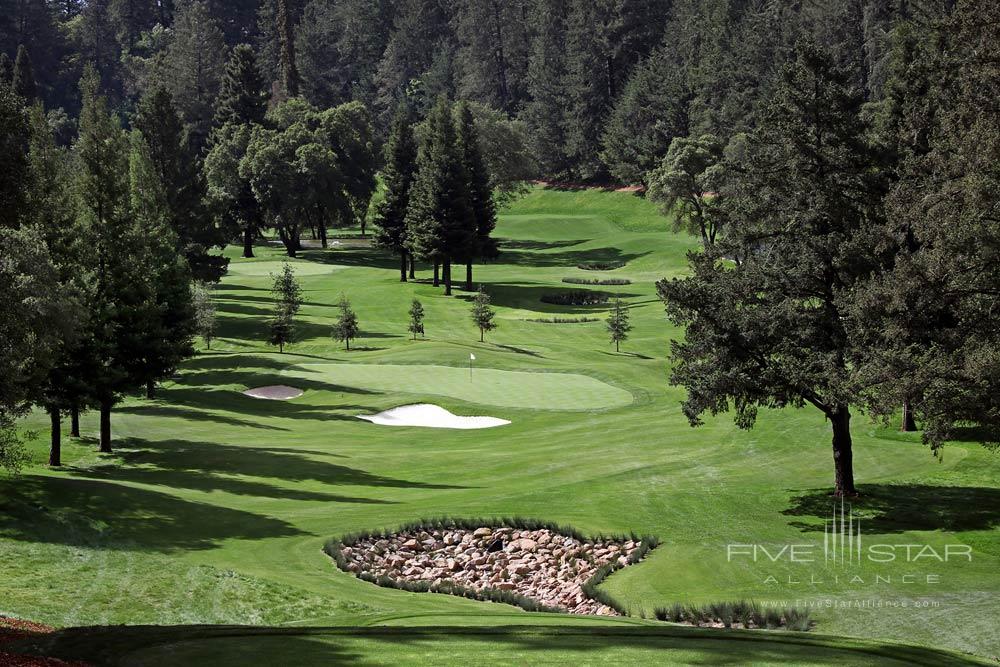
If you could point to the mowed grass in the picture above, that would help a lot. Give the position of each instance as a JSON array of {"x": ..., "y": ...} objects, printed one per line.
[{"x": 215, "y": 506}]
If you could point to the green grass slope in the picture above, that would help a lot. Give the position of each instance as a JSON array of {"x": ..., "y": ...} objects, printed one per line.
[{"x": 215, "y": 506}]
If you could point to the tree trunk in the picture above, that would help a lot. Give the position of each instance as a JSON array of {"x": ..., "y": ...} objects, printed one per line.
[
  {"x": 402, "y": 266},
  {"x": 248, "y": 242},
  {"x": 447, "y": 277},
  {"x": 617, "y": 349},
  {"x": 363, "y": 223},
  {"x": 322, "y": 236},
  {"x": 106, "y": 425},
  {"x": 413, "y": 267},
  {"x": 482, "y": 335},
  {"x": 437, "y": 280},
  {"x": 151, "y": 389},
  {"x": 843, "y": 456},
  {"x": 55, "y": 450},
  {"x": 468, "y": 276},
  {"x": 74, "y": 421},
  {"x": 909, "y": 425}
]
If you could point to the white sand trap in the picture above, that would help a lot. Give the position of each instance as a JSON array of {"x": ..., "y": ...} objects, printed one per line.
[
  {"x": 431, "y": 416},
  {"x": 277, "y": 392}
]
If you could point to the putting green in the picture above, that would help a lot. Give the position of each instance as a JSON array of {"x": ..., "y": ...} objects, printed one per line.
[{"x": 488, "y": 386}]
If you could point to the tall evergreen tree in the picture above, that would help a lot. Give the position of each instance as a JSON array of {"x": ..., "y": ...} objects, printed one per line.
[
  {"x": 24, "y": 76},
  {"x": 6, "y": 69},
  {"x": 123, "y": 308},
  {"x": 545, "y": 113},
  {"x": 14, "y": 173},
  {"x": 286, "y": 40},
  {"x": 177, "y": 168},
  {"x": 484, "y": 216},
  {"x": 243, "y": 93},
  {"x": 397, "y": 177},
  {"x": 168, "y": 339},
  {"x": 192, "y": 69},
  {"x": 438, "y": 218},
  {"x": 771, "y": 331},
  {"x": 492, "y": 57},
  {"x": 287, "y": 293}
]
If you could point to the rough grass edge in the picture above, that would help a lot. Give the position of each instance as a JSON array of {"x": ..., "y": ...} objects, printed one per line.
[{"x": 647, "y": 543}]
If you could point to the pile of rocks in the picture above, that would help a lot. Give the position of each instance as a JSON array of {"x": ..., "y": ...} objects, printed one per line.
[{"x": 540, "y": 564}]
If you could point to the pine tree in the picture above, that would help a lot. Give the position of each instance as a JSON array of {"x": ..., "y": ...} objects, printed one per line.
[
  {"x": 416, "y": 325},
  {"x": 168, "y": 340},
  {"x": 492, "y": 58},
  {"x": 243, "y": 93},
  {"x": 588, "y": 85},
  {"x": 184, "y": 188},
  {"x": 123, "y": 309},
  {"x": 287, "y": 295},
  {"x": 346, "y": 328},
  {"x": 772, "y": 330},
  {"x": 478, "y": 186},
  {"x": 397, "y": 177},
  {"x": 545, "y": 113},
  {"x": 192, "y": 69},
  {"x": 52, "y": 211},
  {"x": 618, "y": 324},
  {"x": 437, "y": 220},
  {"x": 286, "y": 40},
  {"x": 205, "y": 318},
  {"x": 483, "y": 314},
  {"x": 14, "y": 172},
  {"x": 6, "y": 70},
  {"x": 651, "y": 110},
  {"x": 24, "y": 76}
]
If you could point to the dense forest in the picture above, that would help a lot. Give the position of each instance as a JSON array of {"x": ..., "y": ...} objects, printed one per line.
[{"x": 601, "y": 86}]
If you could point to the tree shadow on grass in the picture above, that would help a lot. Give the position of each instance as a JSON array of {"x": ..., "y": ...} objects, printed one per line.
[
  {"x": 160, "y": 410},
  {"x": 528, "y": 297},
  {"x": 519, "y": 350},
  {"x": 210, "y": 458},
  {"x": 234, "y": 645},
  {"x": 99, "y": 514},
  {"x": 897, "y": 508},
  {"x": 523, "y": 244},
  {"x": 567, "y": 259}
]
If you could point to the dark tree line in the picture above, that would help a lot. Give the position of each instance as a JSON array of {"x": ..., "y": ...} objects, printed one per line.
[{"x": 603, "y": 86}]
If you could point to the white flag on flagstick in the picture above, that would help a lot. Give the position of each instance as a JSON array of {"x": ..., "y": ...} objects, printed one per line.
[{"x": 472, "y": 357}]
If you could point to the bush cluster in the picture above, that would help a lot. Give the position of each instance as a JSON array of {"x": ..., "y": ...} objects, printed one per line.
[
  {"x": 597, "y": 281},
  {"x": 600, "y": 266},
  {"x": 580, "y": 297},
  {"x": 563, "y": 320},
  {"x": 749, "y": 614}
]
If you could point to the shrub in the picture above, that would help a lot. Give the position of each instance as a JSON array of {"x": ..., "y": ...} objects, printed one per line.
[
  {"x": 576, "y": 298},
  {"x": 747, "y": 613},
  {"x": 600, "y": 266},
  {"x": 563, "y": 320},
  {"x": 597, "y": 281}
]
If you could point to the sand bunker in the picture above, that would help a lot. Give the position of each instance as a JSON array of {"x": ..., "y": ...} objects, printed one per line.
[
  {"x": 430, "y": 416},
  {"x": 277, "y": 392}
]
